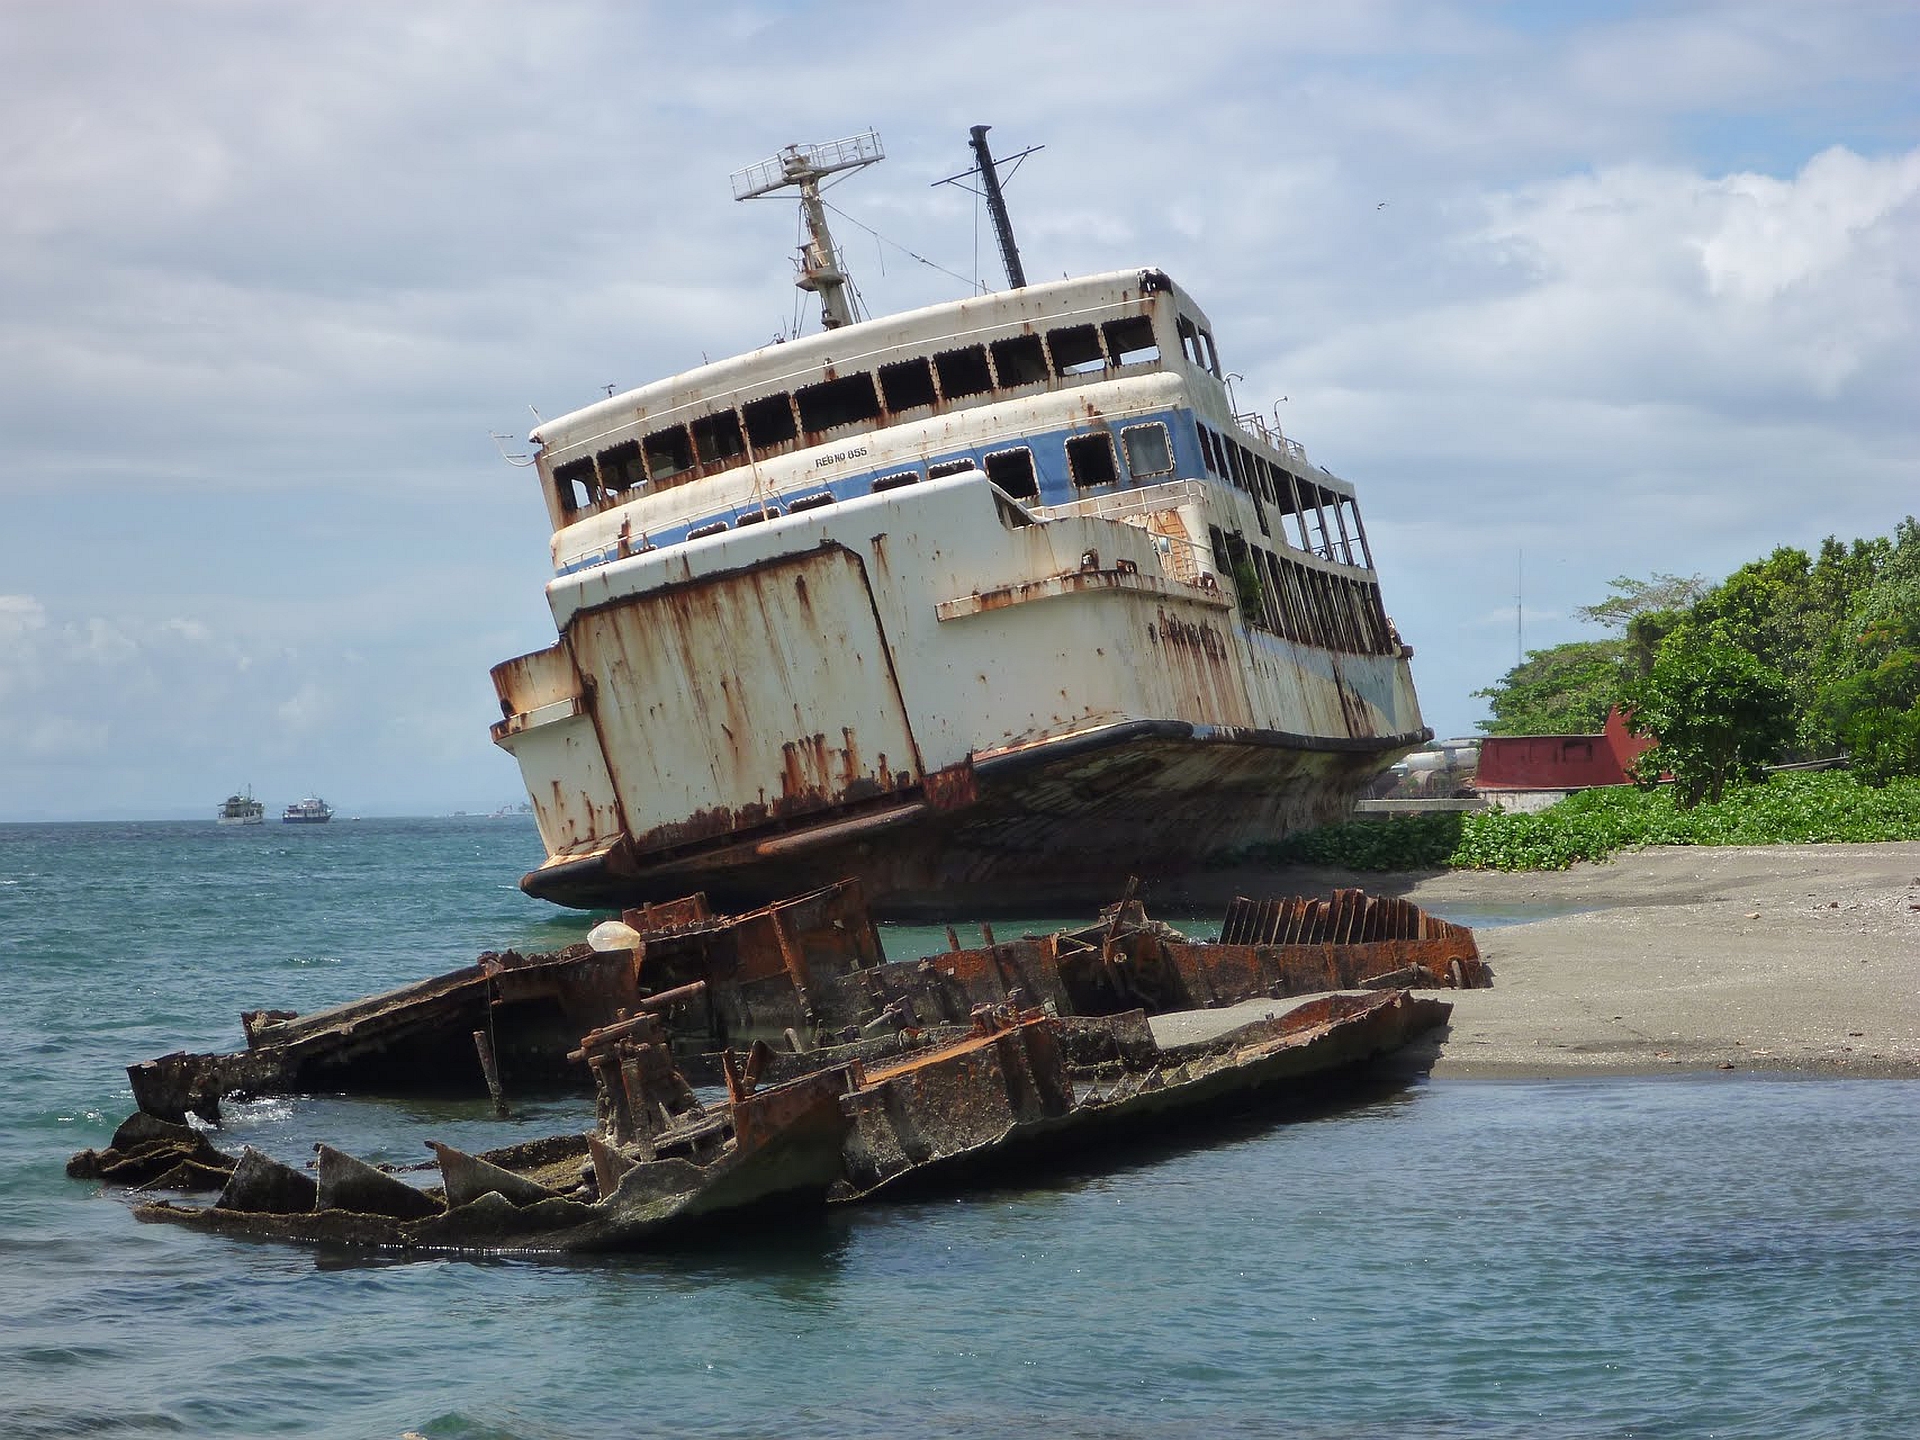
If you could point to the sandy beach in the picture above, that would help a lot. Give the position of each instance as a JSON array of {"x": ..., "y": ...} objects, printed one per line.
[{"x": 1790, "y": 958}]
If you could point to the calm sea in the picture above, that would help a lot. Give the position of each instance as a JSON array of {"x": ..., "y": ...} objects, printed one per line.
[{"x": 1731, "y": 1256}]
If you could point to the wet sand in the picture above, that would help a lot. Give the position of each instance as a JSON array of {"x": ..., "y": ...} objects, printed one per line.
[{"x": 1801, "y": 959}]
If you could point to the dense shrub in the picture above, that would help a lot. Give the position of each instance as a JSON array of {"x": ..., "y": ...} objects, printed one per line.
[{"x": 1795, "y": 808}]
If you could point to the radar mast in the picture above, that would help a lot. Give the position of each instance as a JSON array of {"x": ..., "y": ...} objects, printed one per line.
[{"x": 802, "y": 167}]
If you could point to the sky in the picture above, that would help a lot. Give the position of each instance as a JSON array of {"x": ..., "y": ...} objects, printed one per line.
[{"x": 1569, "y": 291}]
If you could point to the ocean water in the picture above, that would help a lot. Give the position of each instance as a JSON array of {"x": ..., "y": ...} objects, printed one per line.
[{"x": 1723, "y": 1255}]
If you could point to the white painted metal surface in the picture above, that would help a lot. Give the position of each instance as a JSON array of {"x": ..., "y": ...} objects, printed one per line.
[{"x": 770, "y": 643}]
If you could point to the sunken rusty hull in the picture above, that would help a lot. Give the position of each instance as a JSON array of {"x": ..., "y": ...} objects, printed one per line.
[
  {"x": 980, "y": 1106},
  {"x": 1059, "y": 825},
  {"x": 786, "y": 1178}
]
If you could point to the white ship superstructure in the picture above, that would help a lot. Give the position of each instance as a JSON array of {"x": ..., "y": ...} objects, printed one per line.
[{"x": 994, "y": 604}]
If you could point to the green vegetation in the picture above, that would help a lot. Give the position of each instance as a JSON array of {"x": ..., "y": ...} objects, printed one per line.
[
  {"x": 1821, "y": 807},
  {"x": 1794, "y": 657},
  {"x": 1719, "y": 713},
  {"x": 1563, "y": 691}
]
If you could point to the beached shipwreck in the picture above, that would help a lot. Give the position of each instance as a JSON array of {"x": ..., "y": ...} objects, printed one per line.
[{"x": 846, "y": 1076}]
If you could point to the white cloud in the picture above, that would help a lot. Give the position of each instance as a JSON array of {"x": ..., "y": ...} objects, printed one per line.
[
  {"x": 101, "y": 641},
  {"x": 1844, "y": 220},
  {"x": 20, "y": 615}
]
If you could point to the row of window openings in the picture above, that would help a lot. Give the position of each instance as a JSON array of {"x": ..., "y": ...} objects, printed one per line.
[
  {"x": 1090, "y": 461},
  {"x": 1302, "y": 505},
  {"x": 1197, "y": 345},
  {"x": 1301, "y": 603},
  {"x": 720, "y": 441}
]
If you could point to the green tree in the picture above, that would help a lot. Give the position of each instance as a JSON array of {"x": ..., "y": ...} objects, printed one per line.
[
  {"x": 1871, "y": 707},
  {"x": 1632, "y": 598},
  {"x": 1566, "y": 690},
  {"x": 1717, "y": 713}
]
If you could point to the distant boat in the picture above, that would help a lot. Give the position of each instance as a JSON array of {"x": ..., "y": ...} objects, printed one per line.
[
  {"x": 310, "y": 811},
  {"x": 242, "y": 809}
]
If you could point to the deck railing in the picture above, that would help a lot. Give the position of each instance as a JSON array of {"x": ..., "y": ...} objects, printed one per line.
[
  {"x": 1255, "y": 424},
  {"x": 1180, "y": 555}
]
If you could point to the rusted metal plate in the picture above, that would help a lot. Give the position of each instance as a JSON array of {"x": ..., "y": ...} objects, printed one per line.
[{"x": 746, "y": 699}]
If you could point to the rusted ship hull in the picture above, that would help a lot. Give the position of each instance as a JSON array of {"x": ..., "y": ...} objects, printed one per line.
[
  {"x": 650, "y": 1202},
  {"x": 911, "y": 601},
  {"x": 900, "y": 1074},
  {"x": 805, "y": 972},
  {"x": 1021, "y": 1088},
  {"x": 972, "y": 1110},
  {"x": 1052, "y": 827}
]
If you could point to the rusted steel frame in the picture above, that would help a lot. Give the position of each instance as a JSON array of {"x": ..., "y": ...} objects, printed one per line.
[
  {"x": 1239, "y": 972},
  {"x": 667, "y": 916},
  {"x": 794, "y": 963},
  {"x": 1345, "y": 917},
  {"x": 652, "y": 1008}
]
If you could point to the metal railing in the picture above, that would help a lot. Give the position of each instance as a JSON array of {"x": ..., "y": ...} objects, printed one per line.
[
  {"x": 1255, "y": 424},
  {"x": 1179, "y": 553},
  {"x": 828, "y": 156}
]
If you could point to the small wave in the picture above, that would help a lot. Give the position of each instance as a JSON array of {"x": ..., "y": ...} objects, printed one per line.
[{"x": 269, "y": 1110}]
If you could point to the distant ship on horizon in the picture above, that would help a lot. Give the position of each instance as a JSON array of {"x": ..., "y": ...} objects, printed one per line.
[
  {"x": 242, "y": 809},
  {"x": 310, "y": 811}
]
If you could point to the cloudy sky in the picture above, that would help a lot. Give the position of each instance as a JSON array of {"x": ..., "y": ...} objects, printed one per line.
[{"x": 1568, "y": 290}]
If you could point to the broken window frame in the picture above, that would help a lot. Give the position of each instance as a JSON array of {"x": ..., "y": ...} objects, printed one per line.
[
  {"x": 763, "y": 437},
  {"x": 718, "y": 441},
  {"x": 963, "y": 372},
  {"x": 574, "y": 484},
  {"x": 1019, "y": 360},
  {"x": 1014, "y": 454},
  {"x": 669, "y": 456},
  {"x": 908, "y": 384},
  {"x": 1074, "y": 351},
  {"x": 1212, "y": 353},
  {"x": 829, "y": 405},
  {"x": 622, "y": 468},
  {"x": 1131, "y": 341},
  {"x": 1098, "y": 441},
  {"x": 1189, "y": 334}
]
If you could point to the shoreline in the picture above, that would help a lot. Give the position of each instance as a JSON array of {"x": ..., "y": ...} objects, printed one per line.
[{"x": 1795, "y": 960}]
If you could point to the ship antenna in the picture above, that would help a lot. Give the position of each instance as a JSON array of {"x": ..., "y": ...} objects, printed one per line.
[
  {"x": 802, "y": 167},
  {"x": 989, "y": 174}
]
